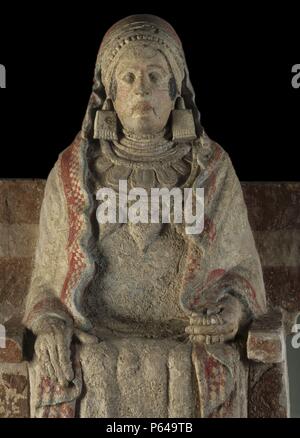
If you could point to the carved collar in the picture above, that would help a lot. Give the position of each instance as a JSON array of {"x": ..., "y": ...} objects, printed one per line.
[{"x": 168, "y": 165}]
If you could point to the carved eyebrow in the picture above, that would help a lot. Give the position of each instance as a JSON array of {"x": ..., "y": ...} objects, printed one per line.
[
  {"x": 158, "y": 67},
  {"x": 124, "y": 69},
  {"x": 150, "y": 66}
]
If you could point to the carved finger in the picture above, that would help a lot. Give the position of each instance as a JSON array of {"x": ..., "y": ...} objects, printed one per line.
[
  {"x": 204, "y": 320},
  {"x": 43, "y": 358},
  {"x": 215, "y": 339},
  {"x": 219, "y": 318},
  {"x": 209, "y": 329},
  {"x": 197, "y": 320},
  {"x": 197, "y": 330},
  {"x": 191, "y": 338},
  {"x": 200, "y": 330},
  {"x": 198, "y": 338},
  {"x": 39, "y": 349},
  {"x": 46, "y": 365},
  {"x": 64, "y": 353},
  {"x": 214, "y": 320},
  {"x": 53, "y": 353},
  {"x": 208, "y": 339}
]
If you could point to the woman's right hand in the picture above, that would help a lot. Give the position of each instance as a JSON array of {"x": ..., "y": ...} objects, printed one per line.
[{"x": 53, "y": 349}]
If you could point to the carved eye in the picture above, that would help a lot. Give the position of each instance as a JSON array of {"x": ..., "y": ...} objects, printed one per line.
[
  {"x": 154, "y": 77},
  {"x": 129, "y": 78}
]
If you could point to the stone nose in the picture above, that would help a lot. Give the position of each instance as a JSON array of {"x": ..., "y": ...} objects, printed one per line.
[{"x": 141, "y": 86}]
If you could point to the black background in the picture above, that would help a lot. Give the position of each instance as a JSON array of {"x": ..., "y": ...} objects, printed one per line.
[{"x": 239, "y": 57}]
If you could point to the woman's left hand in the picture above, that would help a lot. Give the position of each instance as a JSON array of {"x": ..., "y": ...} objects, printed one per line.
[{"x": 216, "y": 322}]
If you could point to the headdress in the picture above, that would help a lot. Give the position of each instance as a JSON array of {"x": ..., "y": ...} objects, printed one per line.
[{"x": 133, "y": 30}]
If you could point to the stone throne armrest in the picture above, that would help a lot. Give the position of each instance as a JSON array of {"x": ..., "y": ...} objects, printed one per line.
[
  {"x": 14, "y": 382},
  {"x": 11, "y": 342},
  {"x": 266, "y": 340},
  {"x": 268, "y": 390}
]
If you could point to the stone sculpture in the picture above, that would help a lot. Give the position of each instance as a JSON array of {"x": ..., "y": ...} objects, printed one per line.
[{"x": 142, "y": 320}]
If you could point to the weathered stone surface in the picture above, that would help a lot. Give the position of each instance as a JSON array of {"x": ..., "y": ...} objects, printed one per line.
[
  {"x": 18, "y": 240},
  {"x": 3, "y": 202},
  {"x": 273, "y": 205},
  {"x": 14, "y": 391},
  {"x": 276, "y": 243},
  {"x": 22, "y": 240},
  {"x": 13, "y": 350},
  {"x": 271, "y": 321},
  {"x": 265, "y": 347},
  {"x": 274, "y": 215},
  {"x": 283, "y": 287},
  {"x": 279, "y": 248},
  {"x": 148, "y": 283},
  {"x": 12, "y": 353},
  {"x": 24, "y": 198},
  {"x": 290, "y": 319},
  {"x": 20, "y": 202},
  {"x": 268, "y": 396},
  {"x": 265, "y": 341},
  {"x": 4, "y": 239},
  {"x": 14, "y": 281}
]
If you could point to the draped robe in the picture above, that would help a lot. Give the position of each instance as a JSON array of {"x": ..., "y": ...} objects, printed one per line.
[{"x": 133, "y": 372}]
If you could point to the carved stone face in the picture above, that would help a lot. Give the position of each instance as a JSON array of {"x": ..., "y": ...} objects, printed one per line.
[{"x": 142, "y": 90}]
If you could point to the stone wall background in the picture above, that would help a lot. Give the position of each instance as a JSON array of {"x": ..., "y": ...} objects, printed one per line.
[
  {"x": 20, "y": 203},
  {"x": 274, "y": 214}
]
